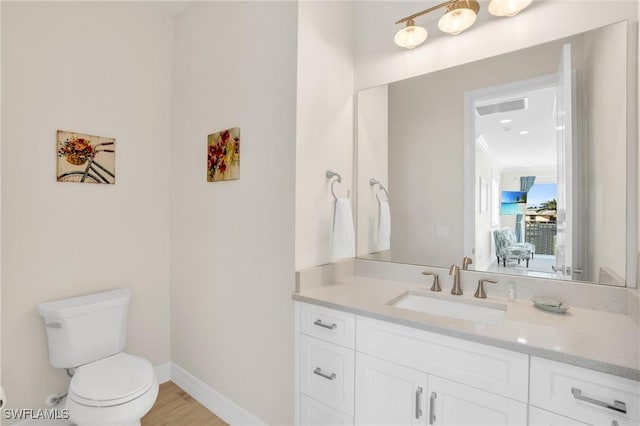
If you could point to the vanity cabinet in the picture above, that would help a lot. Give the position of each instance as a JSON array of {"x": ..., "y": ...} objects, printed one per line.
[{"x": 355, "y": 370}]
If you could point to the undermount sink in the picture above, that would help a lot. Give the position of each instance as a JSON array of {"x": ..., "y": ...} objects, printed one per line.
[{"x": 482, "y": 312}]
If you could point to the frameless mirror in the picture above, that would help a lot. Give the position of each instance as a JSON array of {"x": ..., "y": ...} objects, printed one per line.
[{"x": 517, "y": 161}]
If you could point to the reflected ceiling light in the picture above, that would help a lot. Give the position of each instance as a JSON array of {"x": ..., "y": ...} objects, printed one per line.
[
  {"x": 524, "y": 132},
  {"x": 460, "y": 16},
  {"x": 507, "y": 7},
  {"x": 411, "y": 35},
  {"x": 505, "y": 121}
]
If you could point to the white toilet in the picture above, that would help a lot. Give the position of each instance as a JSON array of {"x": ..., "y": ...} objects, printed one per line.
[{"x": 88, "y": 334}]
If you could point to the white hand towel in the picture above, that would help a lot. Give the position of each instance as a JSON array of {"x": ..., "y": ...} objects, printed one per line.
[
  {"x": 344, "y": 241},
  {"x": 384, "y": 226}
]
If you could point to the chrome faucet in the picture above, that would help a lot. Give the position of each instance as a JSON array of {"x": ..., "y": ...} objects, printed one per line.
[
  {"x": 436, "y": 281},
  {"x": 480, "y": 294},
  {"x": 466, "y": 262},
  {"x": 455, "y": 271}
]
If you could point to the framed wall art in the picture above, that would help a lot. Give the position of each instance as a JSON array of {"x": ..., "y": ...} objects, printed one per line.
[
  {"x": 223, "y": 155},
  {"x": 85, "y": 158}
]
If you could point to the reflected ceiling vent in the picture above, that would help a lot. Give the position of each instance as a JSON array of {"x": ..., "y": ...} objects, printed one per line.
[{"x": 506, "y": 106}]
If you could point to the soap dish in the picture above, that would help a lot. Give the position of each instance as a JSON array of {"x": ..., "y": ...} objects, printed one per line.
[{"x": 550, "y": 305}]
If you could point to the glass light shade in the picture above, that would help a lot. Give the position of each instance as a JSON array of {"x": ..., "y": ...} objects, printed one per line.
[
  {"x": 410, "y": 36},
  {"x": 507, "y": 7},
  {"x": 456, "y": 21}
]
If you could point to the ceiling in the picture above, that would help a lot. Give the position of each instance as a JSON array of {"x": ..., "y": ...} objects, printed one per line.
[{"x": 508, "y": 143}]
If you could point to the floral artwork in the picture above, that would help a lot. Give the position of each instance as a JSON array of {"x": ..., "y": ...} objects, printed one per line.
[
  {"x": 223, "y": 155},
  {"x": 85, "y": 158}
]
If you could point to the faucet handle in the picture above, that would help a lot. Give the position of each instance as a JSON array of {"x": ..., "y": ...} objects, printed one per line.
[
  {"x": 466, "y": 262},
  {"x": 436, "y": 281},
  {"x": 480, "y": 294}
]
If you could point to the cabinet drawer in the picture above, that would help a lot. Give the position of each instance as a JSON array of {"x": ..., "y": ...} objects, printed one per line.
[
  {"x": 327, "y": 373},
  {"x": 582, "y": 394},
  {"x": 484, "y": 367},
  {"x": 329, "y": 324},
  {"x": 314, "y": 413}
]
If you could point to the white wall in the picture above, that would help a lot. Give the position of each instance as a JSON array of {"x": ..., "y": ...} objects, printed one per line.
[
  {"x": 373, "y": 162},
  {"x": 324, "y": 136},
  {"x": 605, "y": 66},
  {"x": 232, "y": 267},
  {"x": 102, "y": 69},
  {"x": 379, "y": 61}
]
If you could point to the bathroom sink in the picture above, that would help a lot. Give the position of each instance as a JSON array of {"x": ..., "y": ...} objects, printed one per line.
[{"x": 482, "y": 312}]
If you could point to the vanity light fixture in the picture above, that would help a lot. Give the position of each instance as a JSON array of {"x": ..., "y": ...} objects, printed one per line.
[{"x": 460, "y": 15}]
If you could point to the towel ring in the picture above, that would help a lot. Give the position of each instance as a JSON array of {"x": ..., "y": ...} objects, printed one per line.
[
  {"x": 373, "y": 182},
  {"x": 331, "y": 174}
]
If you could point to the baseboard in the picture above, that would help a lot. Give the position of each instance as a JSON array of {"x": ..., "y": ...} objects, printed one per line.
[
  {"x": 213, "y": 400},
  {"x": 163, "y": 372}
]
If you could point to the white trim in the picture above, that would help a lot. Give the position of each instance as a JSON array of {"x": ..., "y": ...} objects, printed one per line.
[
  {"x": 213, "y": 400},
  {"x": 163, "y": 372}
]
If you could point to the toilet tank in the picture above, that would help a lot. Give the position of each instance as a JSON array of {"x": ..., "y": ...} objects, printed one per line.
[{"x": 86, "y": 328}]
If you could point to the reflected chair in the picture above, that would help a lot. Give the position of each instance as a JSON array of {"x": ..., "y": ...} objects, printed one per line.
[{"x": 506, "y": 248}]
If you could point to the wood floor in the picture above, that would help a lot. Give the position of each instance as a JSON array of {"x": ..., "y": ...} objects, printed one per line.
[{"x": 174, "y": 407}]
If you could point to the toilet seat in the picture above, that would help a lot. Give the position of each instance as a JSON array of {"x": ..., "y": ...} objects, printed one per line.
[{"x": 111, "y": 381}]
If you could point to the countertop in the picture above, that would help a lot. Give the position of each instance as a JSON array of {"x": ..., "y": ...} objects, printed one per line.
[{"x": 602, "y": 341}]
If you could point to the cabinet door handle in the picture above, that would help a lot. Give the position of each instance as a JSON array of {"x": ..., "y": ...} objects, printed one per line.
[
  {"x": 618, "y": 406},
  {"x": 432, "y": 408},
  {"x": 319, "y": 323},
  {"x": 318, "y": 371},
  {"x": 418, "y": 402}
]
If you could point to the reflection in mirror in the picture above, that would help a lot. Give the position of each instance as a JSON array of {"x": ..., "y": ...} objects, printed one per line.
[{"x": 517, "y": 161}]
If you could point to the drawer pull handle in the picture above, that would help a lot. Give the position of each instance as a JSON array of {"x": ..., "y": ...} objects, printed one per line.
[
  {"x": 418, "y": 402},
  {"x": 319, "y": 323},
  {"x": 432, "y": 408},
  {"x": 318, "y": 371},
  {"x": 618, "y": 406}
]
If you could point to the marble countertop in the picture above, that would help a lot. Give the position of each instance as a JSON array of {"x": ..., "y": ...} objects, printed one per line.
[{"x": 603, "y": 341}]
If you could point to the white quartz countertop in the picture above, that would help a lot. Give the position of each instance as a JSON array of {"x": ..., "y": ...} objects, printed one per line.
[{"x": 598, "y": 340}]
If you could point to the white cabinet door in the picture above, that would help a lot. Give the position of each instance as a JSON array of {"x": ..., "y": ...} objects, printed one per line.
[
  {"x": 455, "y": 404},
  {"x": 389, "y": 394}
]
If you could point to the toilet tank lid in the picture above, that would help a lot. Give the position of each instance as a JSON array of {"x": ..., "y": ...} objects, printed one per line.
[{"x": 74, "y": 306}]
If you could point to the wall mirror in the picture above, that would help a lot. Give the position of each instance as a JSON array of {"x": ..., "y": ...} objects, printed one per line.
[{"x": 519, "y": 162}]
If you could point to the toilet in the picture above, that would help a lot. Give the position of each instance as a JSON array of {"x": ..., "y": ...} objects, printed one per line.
[{"x": 87, "y": 334}]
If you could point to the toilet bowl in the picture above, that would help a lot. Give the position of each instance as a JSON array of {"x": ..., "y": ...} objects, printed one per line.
[
  {"x": 117, "y": 390},
  {"x": 87, "y": 335}
]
